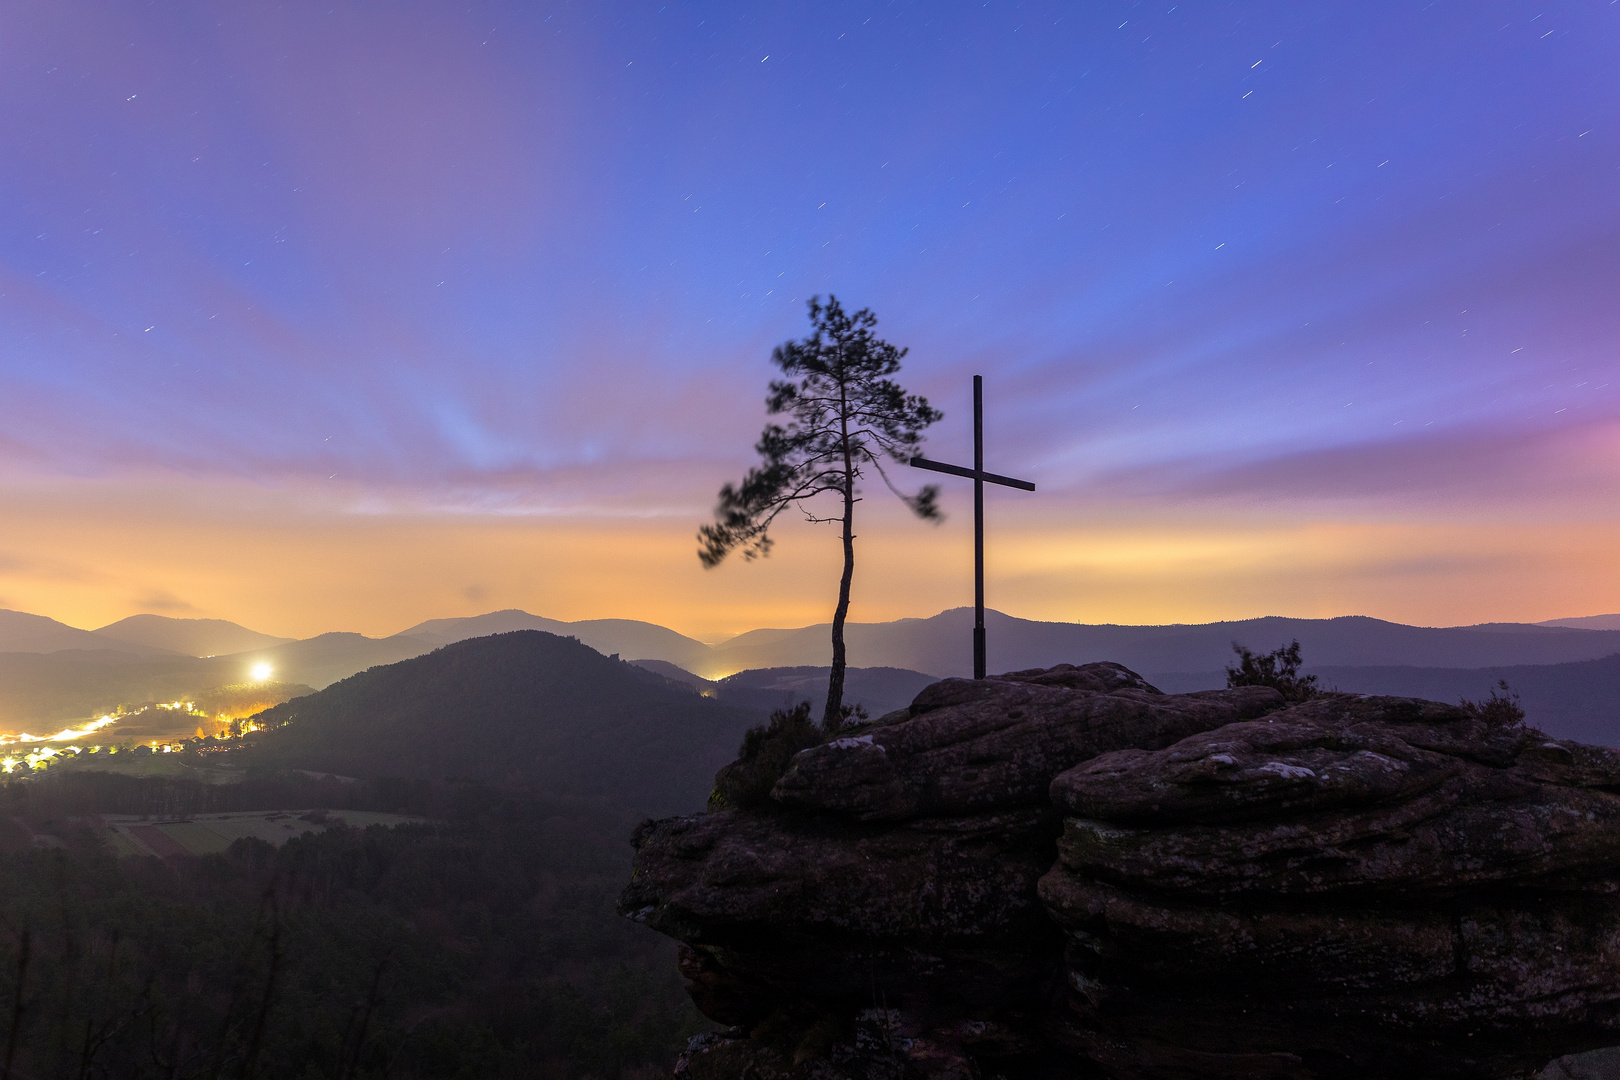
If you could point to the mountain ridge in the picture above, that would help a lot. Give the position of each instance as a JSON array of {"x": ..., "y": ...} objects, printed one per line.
[
  {"x": 1586, "y": 622},
  {"x": 627, "y": 637},
  {"x": 938, "y": 644},
  {"x": 941, "y": 644},
  {"x": 23, "y": 632},
  {"x": 189, "y": 637}
]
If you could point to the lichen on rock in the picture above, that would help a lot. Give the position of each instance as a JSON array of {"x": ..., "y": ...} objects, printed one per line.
[{"x": 1064, "y": 872}]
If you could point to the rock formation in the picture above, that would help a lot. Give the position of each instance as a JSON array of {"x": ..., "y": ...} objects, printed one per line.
[{"x": 1068, "y": 873}]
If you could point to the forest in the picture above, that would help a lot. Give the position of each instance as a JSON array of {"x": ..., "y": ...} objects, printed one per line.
[{"x": 479, "y": 943}]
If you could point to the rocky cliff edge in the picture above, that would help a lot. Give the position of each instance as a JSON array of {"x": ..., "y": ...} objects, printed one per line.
[{"x": 1068, "y": 873}]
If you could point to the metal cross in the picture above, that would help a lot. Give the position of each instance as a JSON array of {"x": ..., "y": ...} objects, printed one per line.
[{"x": 979, "y": 478}]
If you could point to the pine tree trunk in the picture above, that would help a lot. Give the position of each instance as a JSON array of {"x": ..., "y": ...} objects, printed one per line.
[{"x": 834, "y": 714}]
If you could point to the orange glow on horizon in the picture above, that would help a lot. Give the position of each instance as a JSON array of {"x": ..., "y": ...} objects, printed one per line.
[{"x": 89, "y": 553}]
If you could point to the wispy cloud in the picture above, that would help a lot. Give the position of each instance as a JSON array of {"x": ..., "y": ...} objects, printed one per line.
[{"x": 522, "y": 265}]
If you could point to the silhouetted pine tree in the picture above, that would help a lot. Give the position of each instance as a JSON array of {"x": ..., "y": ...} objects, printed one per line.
[{"x": 844, "y": 414}]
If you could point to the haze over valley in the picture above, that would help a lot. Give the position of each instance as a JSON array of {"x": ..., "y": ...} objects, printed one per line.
[{"x": 156, "y": 680}]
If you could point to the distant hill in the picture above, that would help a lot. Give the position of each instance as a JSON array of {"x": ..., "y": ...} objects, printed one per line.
[
  {"x": 627, "y": 637},
  {"x": 525, "y": 706},
  {"x": 21, "y": 632},
  {"x": 675, "y": 672},
  {"x": 1587, "y": 622},
  {"x": 41, "y": 692},
  {"x": 188, "y": 637},
  {"x": 880, "y": 690},
  {"x": 942, "y": 644},
  {"x": 446, "y": 631},
  {"x": 38, "y": 689},
  {"x": 323, "y": 660},
  {"x": 1579, "y": 700},
  {"x": 103, "y": 670}
]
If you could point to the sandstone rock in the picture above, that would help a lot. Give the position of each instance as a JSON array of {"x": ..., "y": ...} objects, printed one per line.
[
  {"x": 1593, "y": 1065},
  {"x": 1306, "y": 803},
  {"x": 791, "y": 908},
  {"x": 1068, "y": 873},
  {"x": 969, "y": 746},
  {"x": 1355, "y": 882}
]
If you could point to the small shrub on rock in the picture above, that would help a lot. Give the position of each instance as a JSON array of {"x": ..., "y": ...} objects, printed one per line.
[
  {"x": 1501, "y": 709},
  {"x": 764, "y": 756},
  {"x": 1278, "y": 669}
]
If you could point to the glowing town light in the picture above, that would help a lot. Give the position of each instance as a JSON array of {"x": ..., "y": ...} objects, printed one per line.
[
  {"x": 38, "y": 759},
  {"x": 65, "y": 734},
  {"x": 261, "y": 672}
]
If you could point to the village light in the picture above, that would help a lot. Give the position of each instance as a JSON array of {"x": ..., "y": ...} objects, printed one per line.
[{"x": 261, "y": 672}]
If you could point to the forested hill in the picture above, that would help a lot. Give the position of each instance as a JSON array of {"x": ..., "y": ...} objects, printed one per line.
[
  {"x": 527, "y": 707},
  {"x": 482, "y": 942}
]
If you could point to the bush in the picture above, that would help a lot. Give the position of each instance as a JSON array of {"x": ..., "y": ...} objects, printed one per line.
[
  {"x": 1501, "y": 709},
  {"x": 764, "y": 756},
  {"x": 1278, "y": 669}
]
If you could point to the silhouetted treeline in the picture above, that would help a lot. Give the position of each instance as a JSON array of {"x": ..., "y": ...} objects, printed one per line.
[{"x": 483, "y": 944}]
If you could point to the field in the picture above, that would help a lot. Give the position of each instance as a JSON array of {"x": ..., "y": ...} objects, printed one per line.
[
  {"x": 206, "y": 834},
  {"x": 160, "y": 766}
]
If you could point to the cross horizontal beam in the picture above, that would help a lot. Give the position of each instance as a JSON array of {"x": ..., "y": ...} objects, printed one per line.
[{"x": 971, "y": 474}]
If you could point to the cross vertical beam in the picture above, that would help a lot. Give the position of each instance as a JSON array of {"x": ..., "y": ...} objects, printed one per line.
[
  {"x": 978, "y": 527},
  {"x": 979, "y": 478}
]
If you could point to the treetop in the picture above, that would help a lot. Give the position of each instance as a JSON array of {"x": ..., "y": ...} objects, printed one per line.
[{"x": 843, "y": 414}]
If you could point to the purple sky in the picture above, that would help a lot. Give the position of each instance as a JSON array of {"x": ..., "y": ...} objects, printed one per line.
[{"x": 1338, "y": 266}]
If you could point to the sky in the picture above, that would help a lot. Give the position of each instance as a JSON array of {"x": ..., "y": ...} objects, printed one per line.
[{"x": 323, "y": 317}]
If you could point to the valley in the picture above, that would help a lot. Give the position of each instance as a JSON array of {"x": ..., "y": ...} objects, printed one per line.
[
  {"x": 49, "y": 682},
  {"x": 456, "y": 819}
]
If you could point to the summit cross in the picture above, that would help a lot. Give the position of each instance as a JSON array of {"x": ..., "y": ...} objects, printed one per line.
[{"x": 979, "y": 478}]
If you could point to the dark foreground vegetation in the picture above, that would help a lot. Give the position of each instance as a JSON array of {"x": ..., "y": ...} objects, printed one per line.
[
  {"x": 1278, "y": 669},
  {"x": 483, "y": 944},
  {"x": 764, "y": 756}
]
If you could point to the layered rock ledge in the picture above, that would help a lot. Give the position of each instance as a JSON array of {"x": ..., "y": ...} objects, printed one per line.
[{"x": 1068, "y": 873}]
